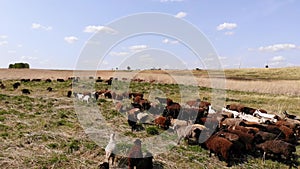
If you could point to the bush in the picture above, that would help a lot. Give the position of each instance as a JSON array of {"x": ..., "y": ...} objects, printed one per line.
[
  {"x": 152, "y": 131},
  {"x": 19, "y": 66}
]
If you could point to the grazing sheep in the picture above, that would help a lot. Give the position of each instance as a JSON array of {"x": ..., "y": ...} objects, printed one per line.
[
  {"x": 277, "y": 147},
  {"x": 262, "y": 136},
  {"x": 60, "y": 80},
  {"x": 86, "y": 98},
  {"x": 146, "y": 162},
  {"x": 163, "y": 122},
  {"x": 104, "y": 165},
  {"x": 132, "y": 119},
  {"x": 48, "y": 80},
  {"x": 234, "y": 112},
  {"x": 177, "y": 122},
  {"x": 271, "y": 117},
  {"x": 16, "y": 85},
  {"x": 2, "y": 86},
  {"x": 189, "y": 132},
  {"x": 235, "y": 107},
  {"x": 135, "y": 154},
  {"x": 25, "y": 91},
  {"x": 69, "y": 94},
  {"x": 49, "y": 89},
  {"x": 172, "y": 109},
  {"x": 287, "y": 115},
  {"x": 230, "y": 122},
  {"x": 110, "y": 148},
  {"x": 221, "y": 147},
  {"x": 245, "y": 138}
]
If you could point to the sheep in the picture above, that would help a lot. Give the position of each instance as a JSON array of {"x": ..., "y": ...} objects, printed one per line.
[
  {"x": 175, "y": 122},
  {"x": 272, "y": 117},
  {"x": 221, "y": 147},
  {"x": 69, "y": 93},
  {"x": 235, "y": 107},
  {"x": 86, "y": 98},
  {"x": 277, "y": 147},
  {"x": 172, "y": 109},
  {"x": 163, "y": 122},
  {"x": 287, "y": 115},
  {"x": 104, "y": 165},
  {"x": 235, "y": 113},
  {"x": 49, "y": 89},
  {"x": 146, "y": 162},
  {"x": 25, "y": 91},
  {"x": 135, "y": 154},
  {"x": 132, "y": 119},
  {"x": 190, "y": 132},
  {"x": 290, "y": 135},
  {"x": 110, "y": 148},
  {"x": 16, "y": 85},
  {"x": 230, "y": 122},
  {"x": 262, "y": 136},
  {"x": 245, "y": 138}
]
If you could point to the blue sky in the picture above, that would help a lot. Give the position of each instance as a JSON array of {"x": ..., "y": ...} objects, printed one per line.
[{"x": 245, "y": 33}]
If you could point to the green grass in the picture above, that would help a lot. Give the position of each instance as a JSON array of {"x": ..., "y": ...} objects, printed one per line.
[{"x": 44, "y": 127}]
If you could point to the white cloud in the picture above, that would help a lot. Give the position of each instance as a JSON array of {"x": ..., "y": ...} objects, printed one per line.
[
  {"x": 11, "y": 51},
  {"x": 168, "y": 41},
  {"x": 3, "y": 37},
  {"x": 42, "y": 27},
  {"x": 226, "y": 25},
  {"x": 229, "y": 33},
  {"x": 180, "y": 15},
  {"x": 118, "y": 53},
  {"x": 278, "y": 59},
  {"x": 28, "y": 58},
  {"x": 137, "y": 48},
  {"x": 94, "y": 29},
  {"x": 2, "y": 43},
  {"x": 70, "y": 39},
  {"x": 277, "y": 47}
]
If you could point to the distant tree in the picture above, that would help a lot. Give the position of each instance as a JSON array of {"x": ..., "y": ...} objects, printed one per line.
[
  {"x": 128, "y": 67},
  {"x": 19, "y": 66}
]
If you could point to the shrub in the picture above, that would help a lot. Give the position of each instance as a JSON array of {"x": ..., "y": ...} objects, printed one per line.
[
  {"x": 152, "y": 131},
  {"x": 19, "y": 66}
]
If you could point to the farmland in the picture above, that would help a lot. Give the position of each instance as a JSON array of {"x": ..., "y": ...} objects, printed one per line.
[{"x": 43, "y": 129}]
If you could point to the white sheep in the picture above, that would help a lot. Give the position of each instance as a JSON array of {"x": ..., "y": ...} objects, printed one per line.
[{"x": 110, "y": 148}]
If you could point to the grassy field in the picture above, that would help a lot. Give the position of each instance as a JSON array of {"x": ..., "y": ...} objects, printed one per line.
[{"x": 43, "y": 129}]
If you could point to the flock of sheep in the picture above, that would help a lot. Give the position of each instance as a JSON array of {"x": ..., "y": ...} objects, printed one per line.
[{"x": 231, "y": 133}]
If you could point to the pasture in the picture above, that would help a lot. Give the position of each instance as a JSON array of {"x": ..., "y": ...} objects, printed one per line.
[{"x": 43, "y": 130}]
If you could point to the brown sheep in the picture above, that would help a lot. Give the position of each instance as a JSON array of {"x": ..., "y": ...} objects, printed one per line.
[
  {"x": 235, "y": 107},
  {"x": 172, "y": 109},
  {"x": 221, "y": 147},
  {"x": 245, "y": 138},
  {"x": 263, "y": 136},
  {"x": 163, "y": 122},
  {"x": 230, "y": 122},
  {"x": 277, "y": 147}
]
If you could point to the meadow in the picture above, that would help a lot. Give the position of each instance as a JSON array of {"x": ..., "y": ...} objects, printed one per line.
[{"x": 44, "y": 130}]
